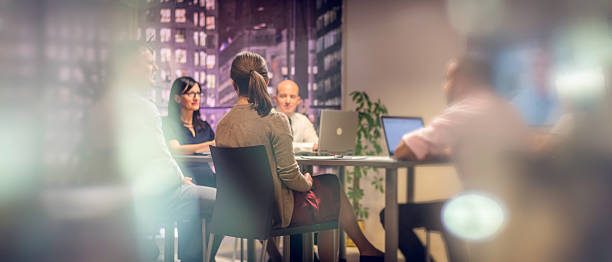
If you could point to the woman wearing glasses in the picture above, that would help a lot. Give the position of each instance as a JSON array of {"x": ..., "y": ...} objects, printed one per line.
[{"x": 185, "y": 131}]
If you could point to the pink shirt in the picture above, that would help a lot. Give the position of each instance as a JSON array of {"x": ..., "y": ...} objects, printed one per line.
[{"x": 480, "y": 120}]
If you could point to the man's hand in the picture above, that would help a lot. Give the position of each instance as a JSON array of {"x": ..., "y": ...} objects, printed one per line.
[
  {"x": 315, "y": 147},
  {"x": 187, "y": 181},
  {"x": 403, "y": 152}
]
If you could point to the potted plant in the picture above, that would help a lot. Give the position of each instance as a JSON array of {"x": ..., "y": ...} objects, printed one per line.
[{"x": 368, "y": 137}]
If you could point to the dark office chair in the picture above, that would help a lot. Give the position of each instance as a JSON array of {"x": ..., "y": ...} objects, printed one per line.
[{"x": 244, "y": 205}]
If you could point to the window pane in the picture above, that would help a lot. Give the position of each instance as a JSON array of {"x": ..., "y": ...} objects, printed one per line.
[
  {"x": 165, "y": 54},
  {"x": 165, "y": 15},
  {"x": 179, "y": 37},
  {"x": 202, "y": 39},
  {"x": 210, "y": 23},
  {"x": 195, "y": 18},
  {"x": 202, "y": 19},
  {"x": 196, "y": 59},
  {"x": 210, "y": 61},
  {"x": 150, "y": 34},
  {"x": 181, "y": 56},
  {"x": 180, "y": 15},
  {"x": 210, "y": 81},
  {"x": 210, "y": 4},
  {"x": 164, "y": 35},
  {"x": 195, "y": 38}
]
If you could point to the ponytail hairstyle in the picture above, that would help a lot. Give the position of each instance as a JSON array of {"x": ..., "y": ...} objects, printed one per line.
[{"x": 250, "y": 75}]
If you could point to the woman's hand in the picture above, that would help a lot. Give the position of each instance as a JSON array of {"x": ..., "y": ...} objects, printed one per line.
[
  {"x": 308, "y": 178},
  {"x": 187, "y": 181}
]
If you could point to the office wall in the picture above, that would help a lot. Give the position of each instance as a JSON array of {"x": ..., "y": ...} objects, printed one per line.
[{"x": 396, "y": 51}]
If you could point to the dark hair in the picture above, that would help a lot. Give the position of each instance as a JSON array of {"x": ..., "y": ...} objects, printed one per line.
[
  {"x": 250, "y": 75},
  {"x": 181, "y": 86}
]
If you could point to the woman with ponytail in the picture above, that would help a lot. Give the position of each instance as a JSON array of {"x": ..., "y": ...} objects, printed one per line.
[{"x": 300, "y": 198}]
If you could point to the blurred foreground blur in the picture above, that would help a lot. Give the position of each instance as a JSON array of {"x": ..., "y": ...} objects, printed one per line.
[{"x": 59, "y": 202}]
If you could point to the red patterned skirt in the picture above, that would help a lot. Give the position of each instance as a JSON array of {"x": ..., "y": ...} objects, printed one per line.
[{"x": 320, "y": 204}]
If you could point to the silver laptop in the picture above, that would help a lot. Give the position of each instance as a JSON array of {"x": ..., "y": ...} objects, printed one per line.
[
  {"x": 338, "y": 132},
  {"x": 396, "y": 126}
]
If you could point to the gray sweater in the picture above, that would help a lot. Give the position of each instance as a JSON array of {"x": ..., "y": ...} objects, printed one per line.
[{"x": 242, "y": 127}]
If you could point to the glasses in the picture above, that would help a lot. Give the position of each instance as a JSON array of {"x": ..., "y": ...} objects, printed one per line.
[{"x": 193, "y": 94}]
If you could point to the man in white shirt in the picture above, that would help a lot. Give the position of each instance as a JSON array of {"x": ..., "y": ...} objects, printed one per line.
[
  {"x": 478, "y": 131},
  {"x": 287, "y": 99}
]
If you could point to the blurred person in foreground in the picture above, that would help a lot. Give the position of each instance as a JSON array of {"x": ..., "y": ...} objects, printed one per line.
[
  {"x": 300, "y": 199},
  {"x": 128, "y": 126},
  {"x": 476, "y": 130},
  {"x": 287, "y": 99}
]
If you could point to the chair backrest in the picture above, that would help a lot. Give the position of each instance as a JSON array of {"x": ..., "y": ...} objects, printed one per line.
[{"x": 244, "y": 206}]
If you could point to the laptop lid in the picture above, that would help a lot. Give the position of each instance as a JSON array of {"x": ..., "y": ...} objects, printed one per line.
[
  {"x": 337, "y": 132},
  {"x": 396, "y": 126}
]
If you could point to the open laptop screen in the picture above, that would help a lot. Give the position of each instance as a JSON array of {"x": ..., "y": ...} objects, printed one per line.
[{"x": 395, "y": 127}]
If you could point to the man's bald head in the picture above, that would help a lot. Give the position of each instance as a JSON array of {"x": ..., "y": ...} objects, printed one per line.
[{"x": 287, "y": 97}]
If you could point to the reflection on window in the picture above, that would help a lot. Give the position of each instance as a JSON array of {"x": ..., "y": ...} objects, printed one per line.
[
  {"x": 196, "y": 59},
  {"x": 210, "y": 23},
  {"x": 210, "y": 81},
  {"x": 210, "y": 61},
  {"x": 202, "y": 19},
  {"x": 195, "y": 18},
  {"x": 181, "y": 56},
  {"x": 150, "y": 34},
  {"x": 165, "y": 55},
  {"x": 165, "y": 15},
  {"x": 202, "y": 3},
  {"x": 195, "y": 38},
  {"x": 179, "y": 37},
  {"x": 202, "y": 59},
  {"x": 164, "y": 35},
  {"x": 210, "y": 4},
  {"x": 179, "y": 15}
]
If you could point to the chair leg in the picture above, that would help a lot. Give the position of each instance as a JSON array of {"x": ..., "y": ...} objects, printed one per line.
[
  {"x": 334, "y": 245},
  {"x": 235, "y": 249},
  {"x": 286, "y": 248},
  {"x": 307, "y": 243},
  {"x": 205, "y": 252},
  {"x": 211, "y": 240},
  {"x": 428, "y": 244},
  {"x": 169, "y": 241},
  {"x": 241, "y": 250},
  {"x": 263, "y": 250},
  {"x": 251, "y": 254}
]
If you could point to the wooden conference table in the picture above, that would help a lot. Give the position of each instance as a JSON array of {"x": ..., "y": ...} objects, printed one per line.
[{"x": 391, "y": 197}]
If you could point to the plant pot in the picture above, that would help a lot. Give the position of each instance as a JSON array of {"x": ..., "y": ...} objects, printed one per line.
[{"x": 349, "y": 241}]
